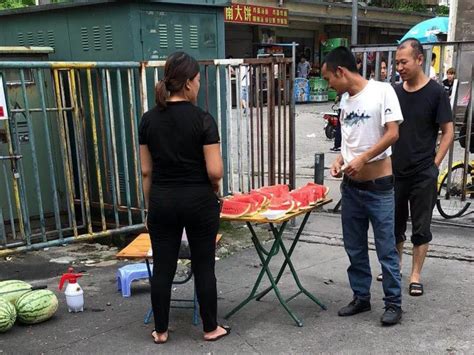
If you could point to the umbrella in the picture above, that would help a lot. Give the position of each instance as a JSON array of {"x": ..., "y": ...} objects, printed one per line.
[{"x": 426, "y": 31}]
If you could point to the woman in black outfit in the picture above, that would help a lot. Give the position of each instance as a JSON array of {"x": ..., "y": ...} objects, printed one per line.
[{"x": 181, "y": 167}]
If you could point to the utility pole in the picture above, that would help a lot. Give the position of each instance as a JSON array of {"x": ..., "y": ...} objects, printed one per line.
[
  {"x": 354, "y": 22},
  {"x": 453, "y": 9}
]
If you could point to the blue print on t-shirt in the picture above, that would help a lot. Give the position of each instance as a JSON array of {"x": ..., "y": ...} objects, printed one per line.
[{"x": 355, "y": 118}]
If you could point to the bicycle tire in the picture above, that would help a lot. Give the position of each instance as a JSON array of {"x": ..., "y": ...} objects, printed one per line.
[{"x": 455, "y": 208}]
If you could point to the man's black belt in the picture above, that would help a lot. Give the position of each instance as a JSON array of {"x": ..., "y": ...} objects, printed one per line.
[{"x": 384, "y": 183}]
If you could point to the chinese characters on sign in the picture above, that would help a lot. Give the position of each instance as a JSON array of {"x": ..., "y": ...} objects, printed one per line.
[
  {"x": 3, "y": 102},
  {"x": 256, "y": 15}
]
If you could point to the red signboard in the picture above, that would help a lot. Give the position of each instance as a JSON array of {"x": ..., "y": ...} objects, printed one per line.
[{"x": 256, "y": 15}]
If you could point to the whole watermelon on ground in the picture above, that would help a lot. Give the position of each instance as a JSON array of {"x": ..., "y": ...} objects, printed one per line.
[
  {"x": 11, "y": 290},
  {"x": 36, "y": 306},
  {"x": 7, "y": 315}
]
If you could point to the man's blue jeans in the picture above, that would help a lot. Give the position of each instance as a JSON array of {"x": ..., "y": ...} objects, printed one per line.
[{"x": 358, "y": 208}]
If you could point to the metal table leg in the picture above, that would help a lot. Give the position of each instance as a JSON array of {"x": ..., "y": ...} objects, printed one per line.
[
  {"x": 265, "y": 263},
  {"x": 292, "y": 248},
  {"x": 265, "y": 257},
  {"x": 287, "y": 261},
  {"x": 150, "y": 311}
]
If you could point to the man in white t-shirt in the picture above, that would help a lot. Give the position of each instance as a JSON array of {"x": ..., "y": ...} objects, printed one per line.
[
  {"x": 370, "y": 115},
  {"x": 303, "y": 68}
]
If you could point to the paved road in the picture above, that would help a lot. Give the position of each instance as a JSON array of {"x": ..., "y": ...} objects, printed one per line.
[{"x": 438, "y": 322}]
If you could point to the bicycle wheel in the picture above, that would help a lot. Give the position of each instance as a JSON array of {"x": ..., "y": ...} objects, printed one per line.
[{"x": 452, "y": 206}]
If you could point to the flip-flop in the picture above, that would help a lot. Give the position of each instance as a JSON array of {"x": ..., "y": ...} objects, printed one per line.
[
  {"x": 415, "y": 289},
  {"x": 227, "y": 332},
  {"x": 158, "y": 341}
]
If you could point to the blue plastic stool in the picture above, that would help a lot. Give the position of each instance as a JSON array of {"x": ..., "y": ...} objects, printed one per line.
[{"x": 126, "y": 274}]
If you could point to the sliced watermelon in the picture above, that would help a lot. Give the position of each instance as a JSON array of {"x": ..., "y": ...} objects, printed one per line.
[
  {"x": 260, "y": 198},
  {"x": 312, "y": 194},
  {"x": 302, "y": 196},
  {"x": 253, "y": 201},
  {"x": 267, "y": 195},
  {"x": 321, "y": 190},
  {"x": 276, "y": 190},
  {"x": 234, "y": 209},
  {"x": 286, "y": 204}
]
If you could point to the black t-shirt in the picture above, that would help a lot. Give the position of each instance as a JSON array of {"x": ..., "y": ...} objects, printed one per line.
[
  {"x": 175, "y": 137},
  {"x": 423, "y": 111},
  {"x": 448, "y": 86}
]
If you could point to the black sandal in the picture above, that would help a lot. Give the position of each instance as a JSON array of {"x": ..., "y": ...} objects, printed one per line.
[
  {"x": 158, "y": 341},
  {"x": 227, "y": 332},
  {"x": 415, "y": 289}
]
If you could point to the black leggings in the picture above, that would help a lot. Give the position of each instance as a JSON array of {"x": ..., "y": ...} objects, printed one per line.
[{"x": 195, "y": 208}]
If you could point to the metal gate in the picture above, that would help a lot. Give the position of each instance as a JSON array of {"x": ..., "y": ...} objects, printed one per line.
[{"x": 69, "y": 162}]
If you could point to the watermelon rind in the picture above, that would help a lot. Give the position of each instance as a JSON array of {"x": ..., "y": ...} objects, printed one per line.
[
  {"x": 234, "y": 209},
  {"x": 253, "y": 201},
  {"x": 7, "y": 315},
  {"x": 36, "y": 306},
  {"x": 11, "y": 290}
]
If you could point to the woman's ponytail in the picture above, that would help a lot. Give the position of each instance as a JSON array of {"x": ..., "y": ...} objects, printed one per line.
[
  {"x": 179, "y": 68},
  {"x": 161, "y": 94}
]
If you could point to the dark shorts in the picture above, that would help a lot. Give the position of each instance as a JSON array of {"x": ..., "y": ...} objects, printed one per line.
[{"x": 416, "y": 195}]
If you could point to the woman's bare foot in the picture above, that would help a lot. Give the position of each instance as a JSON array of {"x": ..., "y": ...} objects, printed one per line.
[
  {"x": 219, "y": 332},
  {"x": 159, "y": 338}
]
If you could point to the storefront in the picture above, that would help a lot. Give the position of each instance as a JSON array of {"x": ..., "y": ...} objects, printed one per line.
[{"x": 251, "y": 30}]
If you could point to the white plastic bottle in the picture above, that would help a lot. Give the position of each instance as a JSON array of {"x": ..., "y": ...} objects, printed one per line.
[{"x": 74, "y": 293}]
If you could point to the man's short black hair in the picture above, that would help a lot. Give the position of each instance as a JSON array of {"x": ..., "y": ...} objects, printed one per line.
[
  {"x": 340, "y": 57},
  {"x": 415, "y": 45}
]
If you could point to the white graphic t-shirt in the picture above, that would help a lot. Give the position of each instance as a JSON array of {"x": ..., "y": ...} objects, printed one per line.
[{"x": 363, "y": 119}]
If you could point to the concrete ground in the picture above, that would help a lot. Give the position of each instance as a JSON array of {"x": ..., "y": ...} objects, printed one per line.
[{"x": 441, "y": 321}]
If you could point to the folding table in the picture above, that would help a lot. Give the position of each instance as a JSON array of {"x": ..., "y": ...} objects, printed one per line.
[{"x": 266, "y": 256}]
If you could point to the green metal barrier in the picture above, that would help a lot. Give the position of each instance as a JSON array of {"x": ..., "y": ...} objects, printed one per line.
[{"x": 69, "y": 151}]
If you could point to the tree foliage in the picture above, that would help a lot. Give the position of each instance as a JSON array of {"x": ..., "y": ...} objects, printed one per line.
[
  {"x": 410, "y": 6},
  {"x": 14, "y": 4},
  {"x": 442, "y": 10}
]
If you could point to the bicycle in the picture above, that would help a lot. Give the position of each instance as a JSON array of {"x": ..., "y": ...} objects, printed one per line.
[{"x": 450, "y": 203}]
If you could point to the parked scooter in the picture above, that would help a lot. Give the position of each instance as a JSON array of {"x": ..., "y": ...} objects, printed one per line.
[{"x": 331, "y": 119}]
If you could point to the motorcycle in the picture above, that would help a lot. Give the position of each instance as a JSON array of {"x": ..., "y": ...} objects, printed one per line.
[{"x": 331, "y": 119}]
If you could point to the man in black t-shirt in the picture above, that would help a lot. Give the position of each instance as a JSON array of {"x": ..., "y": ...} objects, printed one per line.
[
  {"x": 449, "y": 81},
  {"x": 426, "y": 109}
]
